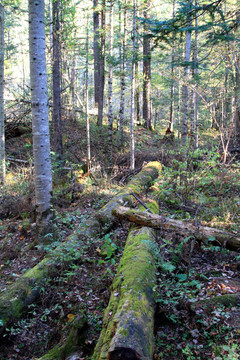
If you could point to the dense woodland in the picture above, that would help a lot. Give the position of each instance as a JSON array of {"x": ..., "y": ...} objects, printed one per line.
[{"x": 119, "y": 179}]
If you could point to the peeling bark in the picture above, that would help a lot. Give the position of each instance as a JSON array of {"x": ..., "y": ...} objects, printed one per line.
[{"x": 202, "y": 233}]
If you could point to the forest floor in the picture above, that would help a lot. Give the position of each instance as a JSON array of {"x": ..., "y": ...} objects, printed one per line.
[{"x": 197, "y": 187}]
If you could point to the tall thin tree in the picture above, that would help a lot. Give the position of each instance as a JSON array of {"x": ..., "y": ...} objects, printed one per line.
[
  {"x": 186, "y": 74},
  {"x": 196, "y": 71},
  {"x": 122, "y": 50},
  {"x": 102, "y": 65},
  {"x": 96, "y": 50},
  {"x": 2, "y": 132},
  {"x": 110, "y": 84},
  {"x": 57, "y": 118},
  {"x": 40, "y": 124},
  {"x": 87, "y": 102},
  {"x": 146, "y": 71},
  {"x": 132, "y": 120}
]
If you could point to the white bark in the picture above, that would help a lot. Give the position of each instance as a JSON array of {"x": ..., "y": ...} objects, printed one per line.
[
  {"x": 40, "y": 124},
  {"x": 2, "y": 133}
]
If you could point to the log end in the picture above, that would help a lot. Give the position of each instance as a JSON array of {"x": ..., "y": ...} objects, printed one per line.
[{"x": 123, "y": 353}]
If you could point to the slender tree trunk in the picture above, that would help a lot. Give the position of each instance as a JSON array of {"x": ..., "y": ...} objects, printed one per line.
[
  {"x": 172, "y": 91},
  {"x": 102, "y": 67},
  {"x": 122, "y": 69},
  {"x": 137, "y": 82},
  {"x": 110, "y": 89},
  {"x": 146, "y": 73},
  {"x": 186, "y": 78},
  {"x": 57, "y": 119},
  {"x": 96, "y": 50},
  {"x": 87, "y": 106},
  {"x": 132, "y": 120},
  {"x": 196, "y": 96},
  {"x": 2, "y": 131},
  {"x": 40, "y": 124},
  {"x": 237, "y": 99}
]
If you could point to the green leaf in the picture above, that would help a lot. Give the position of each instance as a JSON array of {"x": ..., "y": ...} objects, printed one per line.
[{"x": 181, "y": 277}]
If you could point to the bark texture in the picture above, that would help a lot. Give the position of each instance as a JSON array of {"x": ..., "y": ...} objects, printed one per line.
[
  {"x": 57, "y": 118},
  {"x": 40, "y": 124},
  {"x": 203, "y": 233},
  {"x": 132, "y": 116},
  {"x": 146, "y": 73}
]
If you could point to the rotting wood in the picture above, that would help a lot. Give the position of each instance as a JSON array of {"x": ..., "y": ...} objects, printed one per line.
[
  {"x": 129, "y": 318},
  {"x": 75, "y": 339},
  {"x": 227, "y": 300},
  {"x": 202, "y": 233},
  {"x": 15, "y": 299}
]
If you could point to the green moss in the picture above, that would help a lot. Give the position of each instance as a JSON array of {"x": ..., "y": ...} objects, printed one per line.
[
  {"x": 74, "y": 340},
  {"x": 131, "y": 306}
]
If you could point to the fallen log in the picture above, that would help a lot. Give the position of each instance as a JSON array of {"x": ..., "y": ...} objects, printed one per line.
[
  {"x": 129, "y": 318},
  {"x": 75, "y": 339},
  {"x": 15, "y": 299},
  {"x": 202, "y": 233}
]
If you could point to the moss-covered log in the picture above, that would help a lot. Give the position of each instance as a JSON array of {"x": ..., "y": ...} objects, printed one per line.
[
  {"x": 128, "y": 320},
  {"x": 16, "y": 297},
  {"x": 75, "y": 339},
  {"x": 203, "y": 233},
  {"x": 227, "y": 300}
]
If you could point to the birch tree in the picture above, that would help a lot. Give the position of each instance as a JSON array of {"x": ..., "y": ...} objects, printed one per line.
[
  {"x": 2, "y": 133},
  {"x": 40, "y": 124}
]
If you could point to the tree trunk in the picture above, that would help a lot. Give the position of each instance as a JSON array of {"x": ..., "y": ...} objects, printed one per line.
[
  {"x": 202, "y": 233},
  {"x": 56, "y": 110},
  {"x": 86, "y": 95},
  {"x": 186, "y": 78},
  {"x": 128, "y": 320},
  {"x": 101, "y": 67},
  {"x": 96, "y": 50},
  {"x": 137, "y": 80},
  {"x": 132, "y": 120},
  {"x": 122, "y": 50},
  {"x": 196, "y": 96},
  {"x": 146, "y": 73},
  {"x": 110, "y": 86},
  {"x": 26, "y": 289},
  {"x": 237, "y": 99},
  {"x": 40, "y": 125},
  {"x": 2, "y": 131}
]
